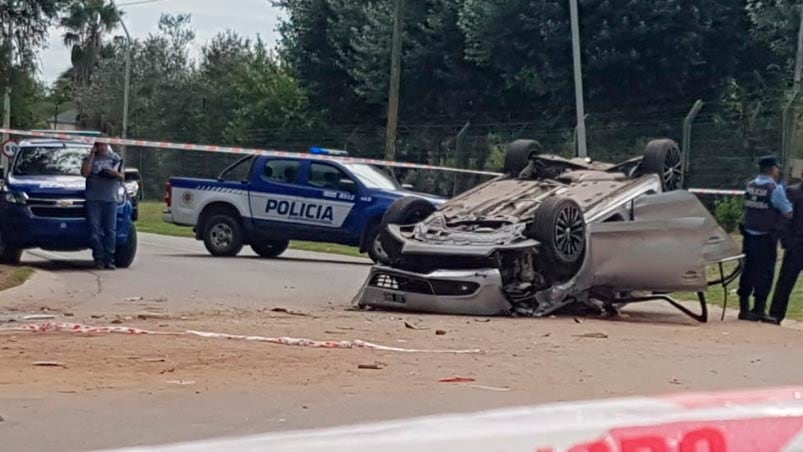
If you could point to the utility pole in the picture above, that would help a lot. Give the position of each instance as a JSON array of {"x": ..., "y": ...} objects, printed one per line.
[
  {"x": 9, "y": 42},
  {"x": 582, "y": 150},
  {"x": 395, "y": 81},
  {"x": 789, "y": 119},
  {"x": 126, "y": 83}
]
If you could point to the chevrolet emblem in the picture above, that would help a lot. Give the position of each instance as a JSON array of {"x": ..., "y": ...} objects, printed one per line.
[{"x": 64, "y": 203}]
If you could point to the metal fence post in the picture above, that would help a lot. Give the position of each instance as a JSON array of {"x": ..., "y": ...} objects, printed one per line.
[
  {"x": 788, "y": 127},
  {"x": 457, "y": 153},
  {"x": 687, "y": 124}
]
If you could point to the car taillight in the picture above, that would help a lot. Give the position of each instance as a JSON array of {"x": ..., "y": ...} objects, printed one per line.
[{"x": 168, "y": 194}]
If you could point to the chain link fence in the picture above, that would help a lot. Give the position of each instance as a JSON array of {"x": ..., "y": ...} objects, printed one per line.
[{"x": 725, "y": 143}]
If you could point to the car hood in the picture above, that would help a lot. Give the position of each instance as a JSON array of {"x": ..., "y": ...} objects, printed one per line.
[
  {"x": 48, "y": 185},
  {"x": 435, "y": 200}
]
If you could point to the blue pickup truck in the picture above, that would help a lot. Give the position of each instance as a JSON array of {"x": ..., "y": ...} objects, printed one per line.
[
  {"x": 267, "y": 201},
  {"x": 42, "y": 203}
]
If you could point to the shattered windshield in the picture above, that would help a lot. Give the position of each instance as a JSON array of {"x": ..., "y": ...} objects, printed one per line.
[{"x": 49, "y": 161}]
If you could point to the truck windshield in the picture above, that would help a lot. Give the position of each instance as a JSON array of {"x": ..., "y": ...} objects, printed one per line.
[
  {"x": 49, "y": 161},
  {"x": 372, "y": 177}
]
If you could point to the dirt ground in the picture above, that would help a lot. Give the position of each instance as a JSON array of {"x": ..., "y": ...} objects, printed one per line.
[{"x": 219, "y": 387}]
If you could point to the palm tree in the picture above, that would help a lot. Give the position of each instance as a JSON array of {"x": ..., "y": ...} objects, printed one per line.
[{"x": 86, "y": 22}]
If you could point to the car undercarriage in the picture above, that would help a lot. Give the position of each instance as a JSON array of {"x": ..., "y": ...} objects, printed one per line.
[{"x": 553, "y": 233}]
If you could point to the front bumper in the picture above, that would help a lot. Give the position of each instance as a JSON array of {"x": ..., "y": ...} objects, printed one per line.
[
  {"x": 458, "y": 292},
  {"x": 22, "y": 229}
]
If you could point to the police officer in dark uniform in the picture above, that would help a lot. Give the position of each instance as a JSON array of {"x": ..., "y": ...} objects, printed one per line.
[
  {"x": 792, "y": 242},
  {"x": 765, "y": 206}
]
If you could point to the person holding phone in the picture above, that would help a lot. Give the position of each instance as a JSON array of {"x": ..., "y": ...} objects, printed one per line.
[{"x": 103, "y": 170}]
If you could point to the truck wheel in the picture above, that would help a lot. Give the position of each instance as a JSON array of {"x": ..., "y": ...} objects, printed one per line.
[
  {"x": 9, "y": 255},
  {"x": 518, "y": 155},
  {"x": 223, "y": 235},
  {"x": 271, "y": 248},
  {"x": 404, "y": 212},
  {"x": 663, "y": 157},
  {"x": 560, "y": 227},
  {"x": 124, "y": 254}
]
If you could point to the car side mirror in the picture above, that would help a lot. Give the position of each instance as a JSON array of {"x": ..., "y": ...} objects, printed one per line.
[{"x": 348, "y": 185}]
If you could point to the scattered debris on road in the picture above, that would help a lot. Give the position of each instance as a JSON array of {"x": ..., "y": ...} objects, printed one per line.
[
  {"x": 153, "y": 315},
  {"x": 457, "y": 380},
  {"x": 592, "y": 336},
  {"x": 374, "y": 366},
  {"x": 49, "y": 364},
  {"x": 440, "y": 332},
  {"x": 290, "y": 312},
  {"x": 490, "y": 388},
  {"x": 410, "y": 326},
  {"x": 577, "y": 320},
  {"x": 96, "y": 316},
  {"x": 133, "y": 298},
  {"x": 675, "y": 381},
  {"x": 39, "y": 317}
]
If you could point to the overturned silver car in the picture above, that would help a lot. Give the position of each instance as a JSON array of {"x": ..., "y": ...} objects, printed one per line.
[{"x": 552, "y": 233}]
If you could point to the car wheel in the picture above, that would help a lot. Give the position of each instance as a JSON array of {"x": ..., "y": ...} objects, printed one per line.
[
  {"x": 404, "y": 211},
  {"x": 8, "y": 254},
  {"x": 561, "y": 229},
  {"x": 518, "y": 155},
  {"x": 663, "y": 157},
  {"x": 223, "y": 235},
  {"x": 124, "y": 255},
  {"x": 376, "y": 251},
  {"x": 270, "y": 248}
]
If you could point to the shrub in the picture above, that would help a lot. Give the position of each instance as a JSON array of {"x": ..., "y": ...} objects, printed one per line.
[{"x": 728, "y": 212}]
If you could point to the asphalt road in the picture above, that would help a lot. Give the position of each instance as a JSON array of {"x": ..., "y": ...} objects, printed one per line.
[
  {"x": 180, "y": 272},
  {"x": 120, "y": 390}
]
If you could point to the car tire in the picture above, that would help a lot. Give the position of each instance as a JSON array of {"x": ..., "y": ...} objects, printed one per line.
[
  {"x": 376, "y": 251},
  {"x": 404, "y": 211},
  {"x": 9, "y": 255},
  {"x": 223, "y": 235},
  {"x": 560, "y": 227},
  {"x": 124, "y": 254},
  {"x": 271, "y": 248},
  {"x": 518, "y": 156},
  {"x": 664, "y": 158}
]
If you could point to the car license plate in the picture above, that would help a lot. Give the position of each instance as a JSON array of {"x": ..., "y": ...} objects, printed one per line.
[{"x": 397, "y": 298}]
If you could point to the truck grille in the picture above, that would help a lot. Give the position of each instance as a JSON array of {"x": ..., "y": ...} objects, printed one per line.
[{"x": 57, "y": 208}]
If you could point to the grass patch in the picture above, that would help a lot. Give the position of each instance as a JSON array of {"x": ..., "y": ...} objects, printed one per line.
[
  {"x": 150, "y": 220},
  {"x": 715, "y": 294},
  {"x": 11, "y": 277}
]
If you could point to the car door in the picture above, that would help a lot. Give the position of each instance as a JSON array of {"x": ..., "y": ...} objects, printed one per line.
[
  {"x": 336, "y": 189},
  {"x": 666, "y": 247},
  {"x": 285, "y": 204}
]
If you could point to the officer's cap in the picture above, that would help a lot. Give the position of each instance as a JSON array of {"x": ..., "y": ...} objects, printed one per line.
[{"x": 767, "y": 161}]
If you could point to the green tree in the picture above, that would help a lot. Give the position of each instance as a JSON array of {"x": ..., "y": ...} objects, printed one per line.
[{"x": 86, "y": 22}]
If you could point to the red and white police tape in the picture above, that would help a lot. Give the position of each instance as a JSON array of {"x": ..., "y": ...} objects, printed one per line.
[
  {"x": 274, "y": 153},
  {"x": 234, "y": 150},
  {"x": 76, "y": 328},
  {"x": 752, "y": 421}
]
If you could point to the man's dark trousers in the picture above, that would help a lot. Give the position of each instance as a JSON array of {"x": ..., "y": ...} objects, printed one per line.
[
  {"x": 790, "y": 270},
  {"x": 761, "y": 252}
]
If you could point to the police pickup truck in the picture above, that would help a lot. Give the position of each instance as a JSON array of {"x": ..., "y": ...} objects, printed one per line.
[
  {"x": 267, "y": 201},
  {"x": 42, "y": 202}
]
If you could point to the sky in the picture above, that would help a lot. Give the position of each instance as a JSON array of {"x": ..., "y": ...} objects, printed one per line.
[{"x": 247, "y": 17}]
